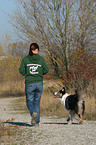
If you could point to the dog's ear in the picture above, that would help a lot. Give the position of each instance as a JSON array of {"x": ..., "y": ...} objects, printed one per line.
[{"x": 63, "y": 89}]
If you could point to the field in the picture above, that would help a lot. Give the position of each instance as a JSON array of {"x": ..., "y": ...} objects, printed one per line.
[{"x": 49, "y": 104}]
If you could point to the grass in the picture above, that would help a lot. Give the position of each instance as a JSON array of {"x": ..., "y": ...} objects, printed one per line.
[
  {"x": 50, "y": 105},
  {"x": 90, "y": 110},
  {"x": 8, "y": 134},
  {"x": 12, "y": 88}
]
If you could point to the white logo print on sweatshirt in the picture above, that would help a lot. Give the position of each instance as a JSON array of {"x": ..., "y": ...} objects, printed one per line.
[{"x": 33, "y": 68}]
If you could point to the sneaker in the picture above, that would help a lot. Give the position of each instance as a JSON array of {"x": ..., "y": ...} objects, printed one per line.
[{"x": 33, "y": 120}]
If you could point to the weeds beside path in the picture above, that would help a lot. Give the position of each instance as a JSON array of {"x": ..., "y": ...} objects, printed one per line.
[{"x": 16, "y": 128}]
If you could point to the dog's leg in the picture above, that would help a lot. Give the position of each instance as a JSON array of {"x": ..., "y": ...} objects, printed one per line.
[
  {"x": 80, "y": 119},
  {"x": 82, "y": 109},
  {"x": 68, "y": 119},
  {"x": 70, "y": 115}
]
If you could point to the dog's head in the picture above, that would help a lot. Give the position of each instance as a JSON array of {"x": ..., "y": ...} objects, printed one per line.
[{"x": 60, "y": 93}]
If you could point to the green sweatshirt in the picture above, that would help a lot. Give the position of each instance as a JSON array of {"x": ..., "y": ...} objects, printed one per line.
[{"x": 33, "y": 68}]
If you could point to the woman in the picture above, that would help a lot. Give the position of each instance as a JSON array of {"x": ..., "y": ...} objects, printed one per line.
[{"x": 33, "y": 67}]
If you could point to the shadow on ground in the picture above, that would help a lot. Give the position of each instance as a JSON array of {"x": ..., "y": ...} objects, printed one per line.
[
  {"x": 29, "y": 125},
  {"x": 59, "y": 123},
  {"x": 19, "y": 123}
]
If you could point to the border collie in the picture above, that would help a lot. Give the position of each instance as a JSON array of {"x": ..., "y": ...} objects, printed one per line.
[{"x": 74, "y": 104}]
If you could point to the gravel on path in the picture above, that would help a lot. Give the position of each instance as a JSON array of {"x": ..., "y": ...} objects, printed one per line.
[{"x": 51, "y": 131}]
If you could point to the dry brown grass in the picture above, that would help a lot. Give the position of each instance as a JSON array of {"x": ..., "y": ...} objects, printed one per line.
[
  {"x": 12, "y": 88},
  {"x": 52, "y": 106},
  {"x": 90, "y": 110},
  {"x": 49, "y": 104},
  {"x": 8, "y": 134}
]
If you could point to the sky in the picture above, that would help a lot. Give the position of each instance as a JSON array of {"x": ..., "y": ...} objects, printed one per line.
[{"x": 7, "y": 7}]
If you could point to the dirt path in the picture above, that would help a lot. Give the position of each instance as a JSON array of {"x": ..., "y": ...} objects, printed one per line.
[{"x": 52, "y": 131}]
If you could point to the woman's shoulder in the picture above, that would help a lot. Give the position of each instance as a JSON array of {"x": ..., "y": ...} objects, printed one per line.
[
  {"x": 26, "y": 56},
  {"x": 41, "y": 57}
]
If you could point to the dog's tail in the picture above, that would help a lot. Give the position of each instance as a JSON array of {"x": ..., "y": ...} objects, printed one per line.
[
  {"x": 77, "y": 94},
  {"x": 83, "y": 105},
  {"x": 76, "y": 91}
]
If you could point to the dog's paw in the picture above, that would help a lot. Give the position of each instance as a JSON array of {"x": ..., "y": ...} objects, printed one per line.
[
  {"x": 68, "y": 119},
  {"x": 80, "y": 122},
  {"x": 70, "y": 123}
]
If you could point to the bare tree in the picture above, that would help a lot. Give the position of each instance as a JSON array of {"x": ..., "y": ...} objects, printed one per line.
[
  {"x": 85, "y": 34},
  {"x": 56, "y": 25},
  {"x": 18, "y": 49},
  {"x": 48, "y": 23}
]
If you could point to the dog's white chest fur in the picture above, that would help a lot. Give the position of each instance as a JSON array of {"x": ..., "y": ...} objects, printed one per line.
[{"x": 64, "y": 98}]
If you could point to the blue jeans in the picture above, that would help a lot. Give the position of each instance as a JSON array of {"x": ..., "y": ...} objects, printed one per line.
[{"x": 33, "y": 97}]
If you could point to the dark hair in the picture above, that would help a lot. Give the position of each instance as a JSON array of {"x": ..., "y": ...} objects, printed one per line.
[{"x": 33, "y": 46}]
